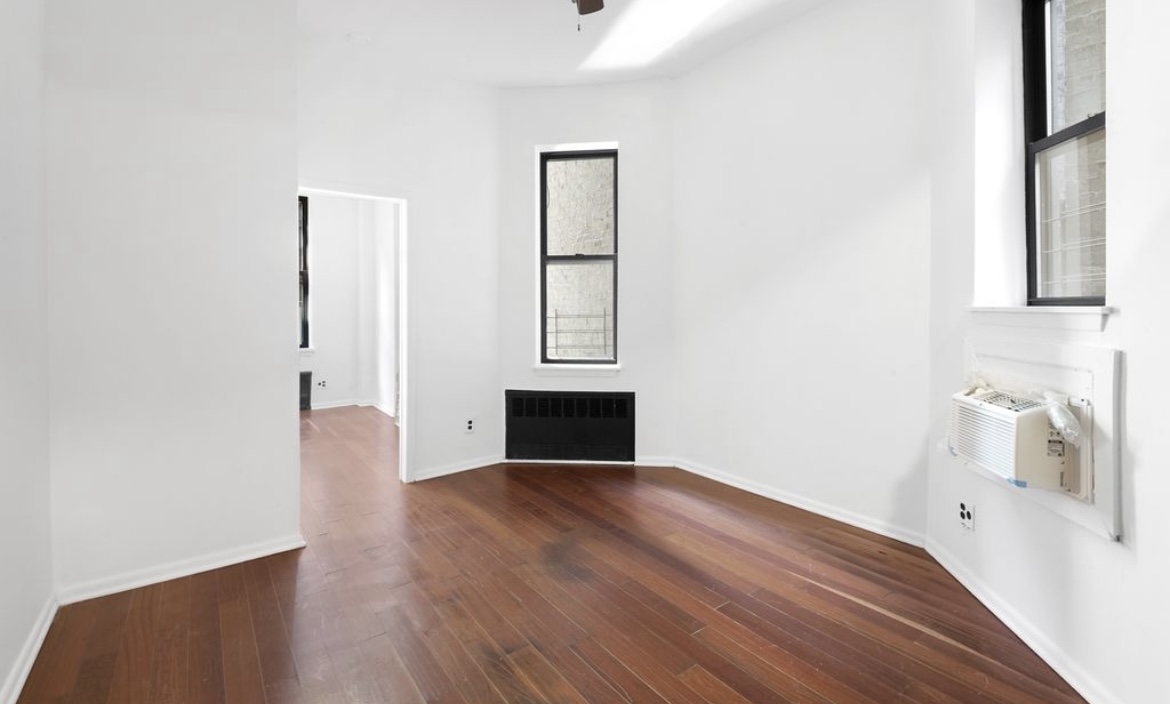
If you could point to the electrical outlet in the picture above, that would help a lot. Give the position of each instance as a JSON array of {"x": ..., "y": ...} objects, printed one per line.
[
  {"x": 967, "y": 516},
  {"x": 321, "y": 383},
  {"x": 470, "y": 427}
]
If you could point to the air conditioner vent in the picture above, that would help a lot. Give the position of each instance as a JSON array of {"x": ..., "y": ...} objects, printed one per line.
[{"x": 1011, "y": 403}]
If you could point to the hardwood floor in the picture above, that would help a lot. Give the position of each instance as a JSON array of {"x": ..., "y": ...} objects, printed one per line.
[{"x": 542, "y": 584}]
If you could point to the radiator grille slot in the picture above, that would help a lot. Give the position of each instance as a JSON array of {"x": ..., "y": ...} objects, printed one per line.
[{"x": 569, "y": 425}]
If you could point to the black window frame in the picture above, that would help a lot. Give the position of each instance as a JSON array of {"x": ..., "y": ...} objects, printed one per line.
[
  {"x": 1037, "y": 141},
  {"x": 546, "y": 258},
  {"x": 303, "y": 211}
]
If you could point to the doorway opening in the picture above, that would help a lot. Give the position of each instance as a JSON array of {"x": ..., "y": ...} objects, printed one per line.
[{"x": 357, "y": 304}]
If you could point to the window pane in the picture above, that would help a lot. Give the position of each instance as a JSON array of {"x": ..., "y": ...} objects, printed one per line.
[
  {"x": 1078, "y": 61},
  {"x": 580, "y": 310},
  {"x": 1071, "y": 178},
  {"x": 580, "y": 206}
]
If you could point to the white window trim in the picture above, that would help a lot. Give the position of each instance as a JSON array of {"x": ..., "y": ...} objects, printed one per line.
[
  {"x": 577, "y": 370},
  {"x": 1072, "y": 318}
]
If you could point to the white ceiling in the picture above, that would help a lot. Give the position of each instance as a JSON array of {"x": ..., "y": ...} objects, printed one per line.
[{"x": 515, "y": 42}]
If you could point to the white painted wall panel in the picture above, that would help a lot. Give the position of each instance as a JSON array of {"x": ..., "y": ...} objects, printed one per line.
[
  {"x": 25, "y": 538},
  {"x": 803, "y": 264},
  {"x": 171, "y": 224}
]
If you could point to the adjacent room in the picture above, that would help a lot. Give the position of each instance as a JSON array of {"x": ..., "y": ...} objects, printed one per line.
[{"x": 649, "y": 351}]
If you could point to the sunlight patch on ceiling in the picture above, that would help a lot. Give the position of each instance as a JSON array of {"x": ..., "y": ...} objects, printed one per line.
[{"x": 649, "y": 29}]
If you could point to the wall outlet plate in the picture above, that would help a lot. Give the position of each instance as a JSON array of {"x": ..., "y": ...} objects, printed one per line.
[
  {"x": 967, "y": 515},
  {"x": 470, "y": 426}
]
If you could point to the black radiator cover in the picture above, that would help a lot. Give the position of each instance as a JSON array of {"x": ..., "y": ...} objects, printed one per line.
[{"x": 569, "y": 425}]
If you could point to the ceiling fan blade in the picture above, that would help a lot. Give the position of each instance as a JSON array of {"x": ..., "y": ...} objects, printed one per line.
[{"x": 588, "y": 7}]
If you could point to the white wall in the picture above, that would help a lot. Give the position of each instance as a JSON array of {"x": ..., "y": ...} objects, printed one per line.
[
  {"x": 803, "y": 255},
  {"x": 25, "y": 538},
  {"x": 1092, "y": 608},
  {"x": 637, "y": 117},
  {"x": 368, "y": 128},
  {"x": 171, "y": 184}
]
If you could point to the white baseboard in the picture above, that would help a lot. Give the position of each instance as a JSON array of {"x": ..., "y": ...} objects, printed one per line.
[
  {"x": 353, "y": 402},
  {"x": 436, "y": 472},
  {"x": 335, "y": 404},
  {"x": 174, "y": 570},
  {"x": 489, "y": 461},
  {"x": 657, "y": 462},
  {"x": 572, "y": 463},
  {"x": 828, "y": 511},
  {"x": 1073, "y": 673},
  {"x": 386, "y": 411},
  {"x": 14, "y": 682}
]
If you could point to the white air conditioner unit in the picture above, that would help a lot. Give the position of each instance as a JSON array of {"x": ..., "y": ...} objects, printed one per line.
[{"x": 1009, "y": 436}]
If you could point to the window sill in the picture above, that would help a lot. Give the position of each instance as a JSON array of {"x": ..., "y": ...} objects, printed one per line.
[
  {"x": 1077, "y": 318},
  {"x": 577, "y": 370}
]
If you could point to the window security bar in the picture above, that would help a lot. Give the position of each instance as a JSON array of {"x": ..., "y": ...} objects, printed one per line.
[{"x": 602, "y": 326}]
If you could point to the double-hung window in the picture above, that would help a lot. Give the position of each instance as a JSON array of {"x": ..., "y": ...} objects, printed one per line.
[
  {"x": 303, "y": 299},
  {"x": 1064, "y": 125},
  {"x": 578, "y": 256}
]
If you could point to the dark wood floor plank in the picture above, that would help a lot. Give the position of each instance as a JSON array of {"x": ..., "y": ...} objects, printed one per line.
[
  {"x": 543, "y": 677},
  {"x": 785, "y": 674},
  {"x": 584, "y": 678},
  {"x": 389, "y": 673},
  {"x": 97, "y": 669},
  {"x": 169, "y": 679},
  {"x": 842, "y": 665},
  {"x": 276, "y": 658},
  {"x": 913, "y": 646},
  {"x": 638, "y": 680},
  {"x": 358, "y": 677},
  {"x": 428, "y": 674},
  {"x": 243, "y": 681},
  {"x": 317, "y": 678},
  {"x": 204, "y": 644},
  {"x": 41, "y": 671},
  {"x": 467, "y": 672},
  {"x": 681, "y": 637},
  {"x": 59, "y": 677},
  {"x": 474, "y": 617},
  {"x": 711, "y": 687},
  {"x": 135, "y": 664},
  {"x": 603, "y": 621},
  {"x": 529, "y": 584},
  {"x": 285, "y": 692}
]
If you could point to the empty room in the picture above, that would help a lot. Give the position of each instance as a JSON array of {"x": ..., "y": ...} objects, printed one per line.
[{"x": 648, "y": 351}]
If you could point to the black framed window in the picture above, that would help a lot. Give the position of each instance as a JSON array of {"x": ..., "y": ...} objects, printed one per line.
[
  {"x": 1064, "y": 125},
  {"x": 579, "y": 257},
  {"x": 303, "y": 302}
]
